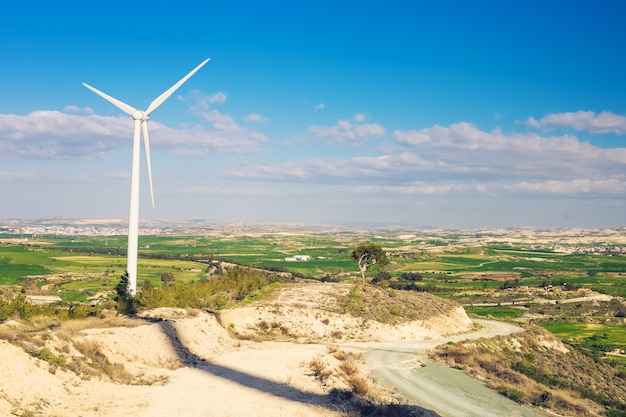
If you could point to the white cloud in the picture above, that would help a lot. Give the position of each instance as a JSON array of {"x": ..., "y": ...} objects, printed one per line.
[
  {"x": 56, "y": 135},
  {"x": 319, "y": 106},
  {"x": 414, "y": 188},
  {"x": 225, "y": 129},
  {"x": 604, "y": 122},
  {"x": 256, "y": 118},
  {"x": 200, "y": 102},
  {"x": 76, "y": 109},
  {"x": 234, "y": 192},
  {"x": 217, "y": 98},
  {"x": 345, "y": 131},
  {"x": 462, "y": 159},
  {"x": 359, "y": 117},
  {"x": 581, "y": 187},
  {"x": 608, "y": 186}
]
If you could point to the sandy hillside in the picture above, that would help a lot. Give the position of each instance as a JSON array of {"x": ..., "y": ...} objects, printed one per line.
[{"x": 174, "y": 362}]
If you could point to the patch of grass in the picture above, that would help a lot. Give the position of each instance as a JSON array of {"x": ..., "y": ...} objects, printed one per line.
[
  {"x": 354, "y": 302},
  {"x": 495, "y": 312},
  {"x": 16, "y": 263},
  {"x": 92, "y": 350},
  {"x": 596, "y": 338},
  {"x": 47, "y": 355}
]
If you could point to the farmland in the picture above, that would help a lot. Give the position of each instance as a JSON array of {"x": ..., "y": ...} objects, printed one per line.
[
  {"x": 455, "y": 262},
  {"x": 539, "y": 276}
]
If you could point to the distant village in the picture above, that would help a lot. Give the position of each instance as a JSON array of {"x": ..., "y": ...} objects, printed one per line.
[
  {"x": 34, "y": 231},
  {"x": 601, "y": 249}
]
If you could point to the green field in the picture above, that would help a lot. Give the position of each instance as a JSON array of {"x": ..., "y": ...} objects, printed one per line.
[
  {"x": 494, "y": 312},
  {"x": 597, "y": 338},
  {"x": 98, "y": 262},
  {"x": 75, "y": 275}
]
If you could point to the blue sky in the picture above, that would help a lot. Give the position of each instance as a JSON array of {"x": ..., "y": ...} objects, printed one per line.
[{"x": 443, "y": 114}]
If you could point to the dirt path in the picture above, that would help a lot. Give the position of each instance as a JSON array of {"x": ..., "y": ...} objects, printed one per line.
[{"x": 437, "y": 387}]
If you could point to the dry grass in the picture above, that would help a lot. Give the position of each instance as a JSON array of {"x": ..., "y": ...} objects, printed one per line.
[
  {"x": 92, "y": 350},
  {"x": 344, "y": 366},
  {"x": 359, "y": 385},
  {"x": 349, "y": 367},
  {"x": 343, "y": 355},
  {"x": 71, "y": 328},
  {"x": 320, "y": 369}
]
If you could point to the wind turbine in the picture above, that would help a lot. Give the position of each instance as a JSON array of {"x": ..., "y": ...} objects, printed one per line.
[{"x": 140, "y": 118}]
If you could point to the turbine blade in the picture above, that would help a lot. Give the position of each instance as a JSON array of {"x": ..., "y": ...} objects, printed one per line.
[
  {"x": 146, "y": 142},
  {"x": 120, "y": 105},
  {"x": 160, "y": 99}
]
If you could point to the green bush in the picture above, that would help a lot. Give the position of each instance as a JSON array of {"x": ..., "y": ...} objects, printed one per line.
[
  {"x": 221, "y": 290},
  {"x": 48, "y": 356}
]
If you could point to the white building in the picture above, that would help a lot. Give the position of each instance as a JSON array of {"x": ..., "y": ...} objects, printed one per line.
[{"x": 298, "y": 258}]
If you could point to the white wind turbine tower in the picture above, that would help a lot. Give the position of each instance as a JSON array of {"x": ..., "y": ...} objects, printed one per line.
[{"x": 140, "y": 118}]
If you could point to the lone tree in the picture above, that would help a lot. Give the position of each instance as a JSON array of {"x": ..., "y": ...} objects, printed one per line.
[{"x": 368, "y": 254}]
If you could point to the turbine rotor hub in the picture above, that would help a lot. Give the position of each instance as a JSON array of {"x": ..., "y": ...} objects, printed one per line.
[{"x": 139, "y": 115}]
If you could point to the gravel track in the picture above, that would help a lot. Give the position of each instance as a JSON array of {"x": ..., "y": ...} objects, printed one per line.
[{"x": 437, "y": 387}]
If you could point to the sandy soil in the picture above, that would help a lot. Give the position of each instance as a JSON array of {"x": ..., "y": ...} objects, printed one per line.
[{"x": 185, "y": 363}]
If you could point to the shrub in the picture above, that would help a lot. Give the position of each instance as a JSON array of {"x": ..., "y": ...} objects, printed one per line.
[
  {"x": 349, "y": 367},
  {"x": 319, "y": 368},
  {"x": 47, "y": 355},
  {"x": 510, "y": 392},
  {"x": 358, "y": 384},
  {"x": 381, "y": 276},
  {"x": 411, "y": 276}
]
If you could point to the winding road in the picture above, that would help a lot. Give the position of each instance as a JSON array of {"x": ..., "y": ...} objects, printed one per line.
[{"x": 438, "y": 387}]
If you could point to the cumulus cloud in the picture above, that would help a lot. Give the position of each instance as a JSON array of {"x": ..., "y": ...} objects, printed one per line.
[
  {"x": 345, "y": 131},
  {"x": 462, "y": 159},
  {"x": 604, "y": 122},
  {"x": 491, "y": 153},
  {"x": 199, "y": 102},
  {"x": 76, "y": 109},
  {"x": 224, "y": 126},
  {"x": 214, "y": 98},
  {"x": 256, "y": 118},
  {"x": 57, "y": 135}
]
